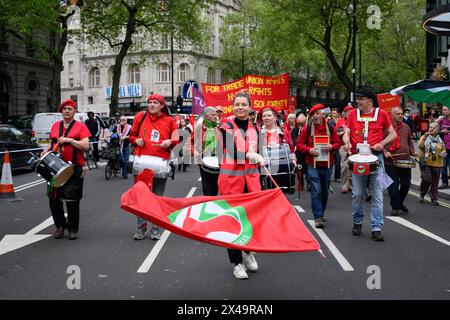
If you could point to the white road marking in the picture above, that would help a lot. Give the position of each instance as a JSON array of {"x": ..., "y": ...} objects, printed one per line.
[
  {"x": 415, "y": 227},
  {"x": 44, "y": 225},
  {"x": 346, "y": 266},
  {"x": 442, "y": 203},
  {"x": 299, "y": 209},
  {"x": 29, "y": 185},
  {"x": 148, "y": 262}
]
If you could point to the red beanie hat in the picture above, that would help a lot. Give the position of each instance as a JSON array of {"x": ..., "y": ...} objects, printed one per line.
[
  {"x": 158, "y": 98},
  {"x": 348, "y": 108},
  {"x": 315, "y": 108},
  {"x": 68, "y": 102}
]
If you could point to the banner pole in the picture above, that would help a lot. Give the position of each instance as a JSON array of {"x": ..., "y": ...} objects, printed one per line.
[{"x": 268, "y": 173}]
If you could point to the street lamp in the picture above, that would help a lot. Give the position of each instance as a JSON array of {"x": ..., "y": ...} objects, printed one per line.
[
  {"x": 352, "y": 7},
  {"x": 242, "y": 58}
]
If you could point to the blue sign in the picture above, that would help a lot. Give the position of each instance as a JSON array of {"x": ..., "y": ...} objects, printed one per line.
[
  {"x": 187, "y": 88},
  {"x": 126, "y": 91}
]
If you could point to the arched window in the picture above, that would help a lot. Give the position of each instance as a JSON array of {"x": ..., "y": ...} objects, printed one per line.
[
  {"x": 134, "y": 74},
  {"x": 183, "y": 72},
  {"x": 164, "y": 72},
  {"x": 94, "y": 77},
  {"x": 211, "y": 77}
]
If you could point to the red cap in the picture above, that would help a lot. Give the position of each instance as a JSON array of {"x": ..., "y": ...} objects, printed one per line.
[
  {"x": 348, "y": 108},
  {"x": 158, "y": 98},
  {"x": 68, "y": 102},
  {"x": 315, "y": 108}
]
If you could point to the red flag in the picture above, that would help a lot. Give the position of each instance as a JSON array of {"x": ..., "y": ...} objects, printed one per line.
[
  {"x": 145, "y": 176},
  {"x": 262, "y": 221}
]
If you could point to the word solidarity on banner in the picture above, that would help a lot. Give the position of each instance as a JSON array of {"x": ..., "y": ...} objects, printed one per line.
[{"x": 264, "y": 91}]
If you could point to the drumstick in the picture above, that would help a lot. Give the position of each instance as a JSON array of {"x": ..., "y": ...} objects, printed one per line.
[
  {"x": 399, "y": 154},
  {"x": 270, "y": 176}
]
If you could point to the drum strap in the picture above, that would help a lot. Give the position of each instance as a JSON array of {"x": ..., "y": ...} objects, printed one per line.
[
  {"x": 142, "y": 121},
  {"x": 61, "y": 128}
]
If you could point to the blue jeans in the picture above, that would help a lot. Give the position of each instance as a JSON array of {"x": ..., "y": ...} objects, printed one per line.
[
  {"x": 124, "y": 157},
  {"x": 445, "y": 168},
  {"x": 359, "y": 194},
  {"x": 319, "y": 178}
]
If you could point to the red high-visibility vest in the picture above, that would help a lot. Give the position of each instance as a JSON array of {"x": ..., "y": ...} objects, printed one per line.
[{"x": 235, "y": 175}]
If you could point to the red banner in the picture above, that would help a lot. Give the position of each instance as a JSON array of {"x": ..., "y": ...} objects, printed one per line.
[
  {"x": 264, "y": 91},
  {"x": 387, "y": 102},
  {"x": 262, "y": 221}
]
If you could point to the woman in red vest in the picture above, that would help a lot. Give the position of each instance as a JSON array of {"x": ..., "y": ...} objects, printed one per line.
[{"x": 239, "y": 172}]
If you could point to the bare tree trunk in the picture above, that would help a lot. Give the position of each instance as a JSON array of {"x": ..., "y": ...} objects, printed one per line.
[{"x": 117, "y": 71}]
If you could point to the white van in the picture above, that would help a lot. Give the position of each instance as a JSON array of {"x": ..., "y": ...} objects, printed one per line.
[{"x": 42, "y": 125}]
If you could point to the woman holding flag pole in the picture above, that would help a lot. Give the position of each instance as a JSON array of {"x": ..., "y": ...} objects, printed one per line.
[{"x": 239, "y": 172}]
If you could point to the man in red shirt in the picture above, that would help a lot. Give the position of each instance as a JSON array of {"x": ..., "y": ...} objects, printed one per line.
[
  {"x": 369, "y": 125},
  {"x": 72, "y": 138},
  {"x": 319, "y": 173},
  {"x": 154, "y": 133}
]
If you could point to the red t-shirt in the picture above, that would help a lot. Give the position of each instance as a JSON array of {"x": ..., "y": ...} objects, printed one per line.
[
  {"x": 377, "y": 129},
  {"x": 154, "y": 130},
  {"x": 78, "y": 132}
]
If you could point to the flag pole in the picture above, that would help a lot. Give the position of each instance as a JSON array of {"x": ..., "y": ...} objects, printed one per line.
[{"x": 270, "y": 176}]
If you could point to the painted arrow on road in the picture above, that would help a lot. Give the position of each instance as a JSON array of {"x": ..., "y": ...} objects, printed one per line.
[{"x": 11, "y": 242}]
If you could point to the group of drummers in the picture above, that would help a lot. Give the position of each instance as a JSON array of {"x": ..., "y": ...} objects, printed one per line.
[{"x": 242, "y": 156}]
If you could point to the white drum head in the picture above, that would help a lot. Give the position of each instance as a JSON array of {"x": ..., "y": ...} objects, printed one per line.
[
  {"x": 212, "y": 162},
  {"x": 363, "y": 158}
]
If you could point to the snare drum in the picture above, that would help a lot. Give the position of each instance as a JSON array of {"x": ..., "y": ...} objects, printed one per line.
[
  {"x": 211, "y": 164},
  {"x": 281, "y": 167},
  {"x": 160, "y": 167},
  {"x": 363, "y": 164},
  {"x": 51, "y": 167},
  {"x": 408, "y": 164}
]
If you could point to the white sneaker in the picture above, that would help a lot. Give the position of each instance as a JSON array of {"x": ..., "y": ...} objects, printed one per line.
[
  {"x": 140, "y": 234},
  {"x": 250, "y": 262},
  {"x": 239, "y": 272}
]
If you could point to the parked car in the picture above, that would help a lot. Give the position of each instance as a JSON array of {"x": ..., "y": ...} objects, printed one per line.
[
  {"x": 13, "y": 139},
  {"x": 42, "y": 124},
  {"x": 22, "y": 122}
]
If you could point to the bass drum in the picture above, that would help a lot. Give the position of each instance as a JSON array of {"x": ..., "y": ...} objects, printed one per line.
[
  {"x": 281, "y": 166},
  {"x": 211, "y": 165},
  {"x": 52, "y": 168}
]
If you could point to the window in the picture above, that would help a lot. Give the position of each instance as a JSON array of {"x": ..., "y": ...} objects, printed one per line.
[
  {"x": 70, "y": 67},
  {"x": 71, "y": 83},
  {"x": 164, "y": 72},
  {"x": 110, "y": 75},
  {"x": 94, "y": 77},
  {"x": 183, "y": 72},
  {"x": 134, "y": 74},
  {"x": 211, "y": 77},
  {"x": 165, "y": 40},
  {"x": 90, "y": 100}
]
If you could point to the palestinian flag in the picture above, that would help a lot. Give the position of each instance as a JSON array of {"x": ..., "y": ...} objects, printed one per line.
[
  {"x": 262, "y": 221},
  {"x": 426, "y": 91}
]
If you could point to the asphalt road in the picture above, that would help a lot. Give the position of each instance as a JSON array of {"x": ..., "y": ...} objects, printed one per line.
[{"x": 410, "y": 264}]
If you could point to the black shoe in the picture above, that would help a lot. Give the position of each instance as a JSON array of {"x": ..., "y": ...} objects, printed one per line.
[
  {"x": 59, "y": 233},
  {"x": 403, "y": 208},
  {"x": 443, "y": 186},
  {"x": 395, "y": 212},
  {"x": 357, "y": 229},
  {"x": 377, "y": 236},
  {"x": 319, "y": 223},
  {"x": 434, "y": 202},
  {"x": 73, "y": 235}
]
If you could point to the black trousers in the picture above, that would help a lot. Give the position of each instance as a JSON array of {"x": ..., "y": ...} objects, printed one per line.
[
  {"x": 73, "y": 214},
  {"x": 337, "y": 165},
  {"x": 209, "y": 182},
  {"x": 95, "y": 149},
  {"x": 236, "y": 255},
  {"x": 399, "y": 189}
]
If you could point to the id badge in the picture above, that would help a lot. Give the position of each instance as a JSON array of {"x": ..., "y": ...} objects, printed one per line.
[{"x": 154, "y": 137}]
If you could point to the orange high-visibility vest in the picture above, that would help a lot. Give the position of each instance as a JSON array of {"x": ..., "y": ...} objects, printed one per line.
[{"x": 236, "y": 174}]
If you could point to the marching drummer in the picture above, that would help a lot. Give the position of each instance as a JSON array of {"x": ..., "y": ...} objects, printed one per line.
[
  {"x": 369, "y": 126},
  {"x": 154, "y": 133},
  {"x": 239, "y": 171},
  {"x": 398, "y": 162},
  {"x": 72, "y": 139},
  {"x": 319, "y": 172},
  {"x": 273, "y": 135},
  {"x": 207, "y": 135}
]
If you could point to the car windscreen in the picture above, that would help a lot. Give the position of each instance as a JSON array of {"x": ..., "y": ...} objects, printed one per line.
[{"x": 20, "y": 136}]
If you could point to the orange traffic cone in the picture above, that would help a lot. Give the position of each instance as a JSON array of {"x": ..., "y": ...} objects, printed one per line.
[{"x": 7, "y": 193}]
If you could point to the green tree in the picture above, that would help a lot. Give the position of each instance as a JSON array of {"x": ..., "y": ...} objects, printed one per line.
[
  {"x": 117, "y": 21},
  {"x": 30, "y": 21}
]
